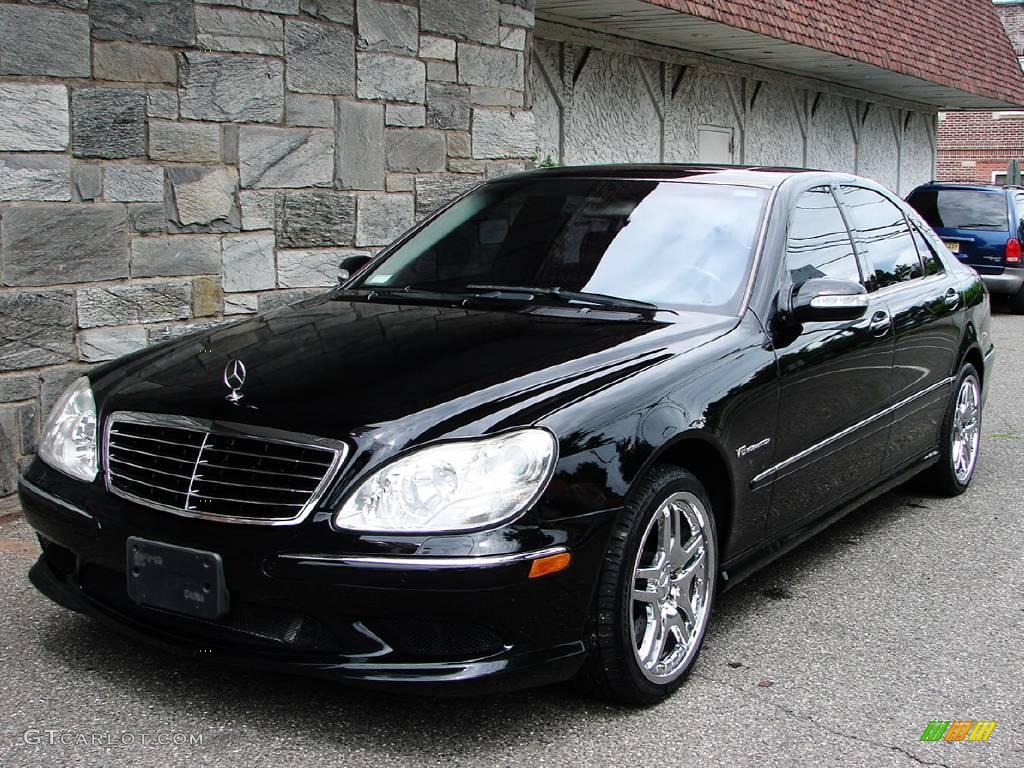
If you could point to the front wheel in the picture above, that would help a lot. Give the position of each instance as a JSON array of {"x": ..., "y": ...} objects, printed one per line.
[
  {"x": 656, "y": 591},
  {"x": 960, "y": 436}
]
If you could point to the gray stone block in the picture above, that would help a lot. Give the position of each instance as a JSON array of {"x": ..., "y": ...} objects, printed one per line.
[
  {"x": 230, "y": 88},
  {"x": 88, "y": 182},
  {"x": 437, "y": 48},
  {"x": 130, "y": 63},
  {"x": 176, "y": 256},
  {"x": 38, "y": 329},
  {"x": 205, "y": 197},
  {"x": 314, "y": 219},
  {"x": 495, "y": 67},
  {"x": 248, "y": 262},
  {"x": 225, "y": 29},
  {"x": 518, "y": 12},
  {"x": 414, "y": 151},
  {"x": 330, "y": 10},
  {"x": 460, "y": 144},
  {"x": 289, "y": 7},
  {"x": 50, "y": 244},
  {"x": 394, "y": 78},
  {"x": 147, "y": 218},
  {"x": 241, "y": 303},
  {"x": 309, "y": 111},
  {"x": 98, "y": 344},
  {"x": 500, "y": 134},
  {"x": 108, "y": 122},
  {"x": 278, "y": 299},
  {"x": 133, "y": 183},
  {"x": 442, "y": 71},
  {"x": 405, "y": 115},
  {"x": 514, "y": 38},
  {"x": 476, "y": 20},
  {"x": 433, "y": 192},
  {"x": 184, "y": 142},
  {"x": 257, "y": 209},
  {"x": 482, "y": 95},
  {"x": 33, "y": 117},
  {"x": 28, "y": 423},
  {"x": 43, "y": 41},
  {"x": 136, "y": 303},
  {"x": 321, "y": 59},
  {"x": 382, "y": 217},
  {"x": 163, "y": 103},
  {"x": 9, "y": 442},
  {"x": 388, "y": 27},
  {"x": 229, "y": 138},
  {"x": 312, "y": 268},
  {"x": 448, "y": 106},
  {"x": 163, "y": 22},
  {"x": 34, "y": 177},
  {"x": 286, "y": 157},
  {"x": 359, "y": 145},
  {"x": 22, "y": 386}
]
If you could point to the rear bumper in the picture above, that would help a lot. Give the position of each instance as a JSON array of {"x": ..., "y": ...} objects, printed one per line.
[
  {"x": 437, "y": 625},
  {"x": 1009, "y": 281}
]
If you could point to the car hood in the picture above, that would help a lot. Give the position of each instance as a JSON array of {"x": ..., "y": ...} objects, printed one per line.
[{"x": 335, "y": 368}]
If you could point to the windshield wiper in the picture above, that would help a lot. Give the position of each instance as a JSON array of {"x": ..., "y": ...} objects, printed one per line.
[{"x": 584, "y": 297}]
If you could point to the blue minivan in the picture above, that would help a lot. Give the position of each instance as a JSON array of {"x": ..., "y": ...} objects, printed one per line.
[{"x": 983, "y": 226}]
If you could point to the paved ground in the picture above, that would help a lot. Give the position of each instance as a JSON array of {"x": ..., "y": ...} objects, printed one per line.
[{"x": 910, "y": 610}]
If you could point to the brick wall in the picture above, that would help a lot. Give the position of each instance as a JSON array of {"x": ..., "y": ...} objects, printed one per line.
[
  {"x": 166, "y": 164},
  {"x": 1012, "y": 18}
]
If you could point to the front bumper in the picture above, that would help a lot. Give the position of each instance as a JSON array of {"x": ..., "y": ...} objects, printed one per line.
[{"x": 439, "y": 625}]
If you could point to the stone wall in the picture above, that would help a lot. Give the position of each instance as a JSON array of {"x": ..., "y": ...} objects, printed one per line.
[
  {"x": 166, "y": 164},
  {"x": 601, "y": 98}
]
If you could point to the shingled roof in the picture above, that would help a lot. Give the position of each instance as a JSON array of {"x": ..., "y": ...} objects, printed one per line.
[{"x": 960, "y": 43}]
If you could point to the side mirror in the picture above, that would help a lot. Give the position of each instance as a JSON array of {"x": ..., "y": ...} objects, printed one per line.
[
  {"x": 350, "y": 265},
  {"x": 821, "y": 299}
]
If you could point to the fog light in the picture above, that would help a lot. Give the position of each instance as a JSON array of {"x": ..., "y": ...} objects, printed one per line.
[{"x": 543, "y": 566}]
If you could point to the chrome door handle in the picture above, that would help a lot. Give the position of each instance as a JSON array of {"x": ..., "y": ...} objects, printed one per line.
[
  {"x": 952, "y": 298},
  {"x": 880, "y": 322}
]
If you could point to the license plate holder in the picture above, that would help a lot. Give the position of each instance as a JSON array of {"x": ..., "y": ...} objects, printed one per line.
[
  {"x": 180, "y": 579},
  {"x": 952, "y": 245}
]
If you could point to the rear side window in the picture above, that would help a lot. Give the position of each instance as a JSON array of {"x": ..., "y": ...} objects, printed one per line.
[
  {"x": 882, "y": 232},
  {"x": 932, "y": 264},
  {"x": 961, "y": 208},
  {"x": 819, "y": 244}
]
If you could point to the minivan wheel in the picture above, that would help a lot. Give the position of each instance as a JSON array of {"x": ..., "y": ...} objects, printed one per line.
[
  {"x": 960, "y": 436},
  {"x": 656, "y": 591}
]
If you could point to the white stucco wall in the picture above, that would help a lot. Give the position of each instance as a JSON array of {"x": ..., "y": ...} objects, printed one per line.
[{"x": 601, "y": 101}]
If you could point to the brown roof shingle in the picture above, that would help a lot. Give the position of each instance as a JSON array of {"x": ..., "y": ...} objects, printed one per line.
[{"x": 956, "y": 43}]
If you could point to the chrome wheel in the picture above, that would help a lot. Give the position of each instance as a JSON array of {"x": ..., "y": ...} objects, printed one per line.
[
  {"x": 966, "y": 432},
  {"x": 673, "y": 580}
]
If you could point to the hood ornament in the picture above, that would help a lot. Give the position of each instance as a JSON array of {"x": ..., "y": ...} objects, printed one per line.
[{"x": 234, "y": 378}]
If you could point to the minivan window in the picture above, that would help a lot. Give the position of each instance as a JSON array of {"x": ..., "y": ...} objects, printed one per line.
[
  {"x": 961, "y": 208},
  {"x": 666, "y": 243},
  {"x": 818, "y": 243},
  {"x": 882, "y": 231}
]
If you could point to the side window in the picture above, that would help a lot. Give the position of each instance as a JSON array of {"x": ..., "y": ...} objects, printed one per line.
[
  {"x": 1018, "y": 200},
  {"x": 818, "y": 244},
  {"x": 881, "y": 230},
  {"x": 932, "y": 264}
]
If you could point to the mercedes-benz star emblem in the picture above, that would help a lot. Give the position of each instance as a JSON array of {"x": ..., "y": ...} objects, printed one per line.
[{"x": 234, "y": 378}]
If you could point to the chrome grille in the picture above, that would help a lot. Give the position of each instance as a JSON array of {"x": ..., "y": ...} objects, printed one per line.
[{"x": 220, "y": 471}]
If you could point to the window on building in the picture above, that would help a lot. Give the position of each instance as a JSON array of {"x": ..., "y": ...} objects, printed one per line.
[
  {"x": 998, "y": 177},
  {"x": 882, "y": 231},
  {"x": 818, "y": 244}
]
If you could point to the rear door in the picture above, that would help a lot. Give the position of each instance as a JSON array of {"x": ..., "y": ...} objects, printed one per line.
[
  {"x": 906, "y": 273},
  {"x": 973, "y": 222}
]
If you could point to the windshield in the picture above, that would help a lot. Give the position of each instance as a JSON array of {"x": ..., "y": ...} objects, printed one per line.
[
  {"x": 961, "y": 208},
  {"x": 670, "y": 244}
]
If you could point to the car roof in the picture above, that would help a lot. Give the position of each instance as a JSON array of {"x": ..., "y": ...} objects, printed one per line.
[
  {"x": 973, "y": 185},
  {"x": 767, "y": 177}
]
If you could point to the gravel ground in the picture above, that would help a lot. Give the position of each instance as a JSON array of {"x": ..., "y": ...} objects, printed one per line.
[{"x": 909, "y": 610}]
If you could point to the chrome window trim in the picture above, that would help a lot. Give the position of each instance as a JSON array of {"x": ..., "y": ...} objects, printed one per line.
[
  {"x": 231, "y": 429},
  {"x": 774, "y": 471},
  {"x": 35, "y": 489},
  {"x": 419, "y": 562}
]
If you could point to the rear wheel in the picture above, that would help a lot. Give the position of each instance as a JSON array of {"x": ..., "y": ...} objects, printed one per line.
[
  {"x": 656, "y": 591},
  {"x": 960, "y": 436}
]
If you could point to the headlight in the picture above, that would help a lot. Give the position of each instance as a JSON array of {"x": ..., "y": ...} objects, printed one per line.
[
  {"x": 453, "y": 486},
  {"x": 69, "y": 435}
]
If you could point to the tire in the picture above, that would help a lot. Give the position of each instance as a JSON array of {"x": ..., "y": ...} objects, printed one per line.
[
  {"x": 678, "y": 595},
  {"x": 961, "y": 430},
  {"x": 1016, "y": 302}
]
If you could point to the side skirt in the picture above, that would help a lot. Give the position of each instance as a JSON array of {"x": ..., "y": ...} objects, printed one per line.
[{"x": 745, "y": 564}]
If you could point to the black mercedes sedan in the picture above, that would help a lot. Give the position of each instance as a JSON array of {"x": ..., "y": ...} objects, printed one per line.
[{"x": 530, "y": 440}]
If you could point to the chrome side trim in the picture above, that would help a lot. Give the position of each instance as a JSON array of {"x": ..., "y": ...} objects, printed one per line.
[
  {"x": 417, "y": 562},
  {"x": 339, "y": 449},
  {"x": 768, "y": 473},
  {"x": 35, "y": 489}
]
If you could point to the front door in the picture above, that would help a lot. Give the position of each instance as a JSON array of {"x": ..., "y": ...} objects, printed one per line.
[{"x": 836, "y": 378}]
